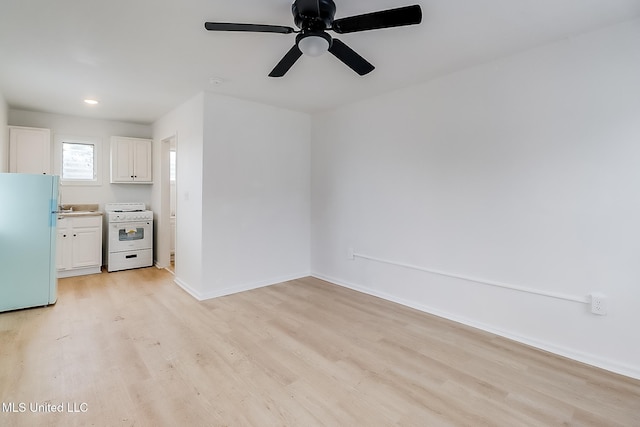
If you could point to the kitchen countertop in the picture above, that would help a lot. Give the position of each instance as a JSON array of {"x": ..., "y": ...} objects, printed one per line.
[
  {"x": 79, "y": 213},
  {"x": 78, "y": 210}
]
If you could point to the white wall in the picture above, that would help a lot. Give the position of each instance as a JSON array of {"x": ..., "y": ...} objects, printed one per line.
[
  {"x": 522, "y": 171},
  {"x": 256, "y": 195},
  {"x": 186, "y": 123},
  {"x": 243, "y": 194},
  {"x": 103, "y": 130},
  {"x": 4, "y": 136}
]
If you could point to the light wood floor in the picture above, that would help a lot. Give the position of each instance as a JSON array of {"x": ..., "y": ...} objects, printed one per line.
[{"x": 139, "y": 351}]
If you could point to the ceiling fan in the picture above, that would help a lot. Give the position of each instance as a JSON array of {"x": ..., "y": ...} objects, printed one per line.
[{"x": 314, "y": 18}]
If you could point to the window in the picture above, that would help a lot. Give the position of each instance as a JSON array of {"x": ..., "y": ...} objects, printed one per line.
[{"x": 78, "y": 160}]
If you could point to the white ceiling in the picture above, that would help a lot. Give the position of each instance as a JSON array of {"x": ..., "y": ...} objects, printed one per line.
[{"x": 141, "y": 58}]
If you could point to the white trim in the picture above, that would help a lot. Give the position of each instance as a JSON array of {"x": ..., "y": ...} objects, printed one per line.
[
  {"x": 582, "y": 300},
  {"x": 58, "y": 139},
  {"x": 589, "y": 359},
  {"x": 79, "y": 272},
  {"x": 254, "y": 285},
  {"x": 188, "y": 289},
  {"x": 159, "y": 267},
  {"x": 239, "y": 288}
]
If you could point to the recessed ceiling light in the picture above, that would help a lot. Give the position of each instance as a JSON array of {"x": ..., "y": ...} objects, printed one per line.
[{"x": 91, "y": 101}]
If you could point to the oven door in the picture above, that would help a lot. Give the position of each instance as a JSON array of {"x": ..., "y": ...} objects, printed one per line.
[{"x": 128, "y": 236}]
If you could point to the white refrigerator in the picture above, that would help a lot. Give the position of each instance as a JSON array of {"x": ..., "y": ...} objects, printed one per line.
[{"x": 28, "y": 206}]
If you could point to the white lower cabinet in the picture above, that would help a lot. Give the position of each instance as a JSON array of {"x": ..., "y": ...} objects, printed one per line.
[{"x": 79, "y": 245}]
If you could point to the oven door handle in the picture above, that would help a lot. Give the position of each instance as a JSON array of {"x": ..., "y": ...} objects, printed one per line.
[{"x": 131, "y": 224}]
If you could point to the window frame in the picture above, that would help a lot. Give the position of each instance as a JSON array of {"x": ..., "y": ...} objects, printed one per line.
[{"x": 97, "y": 159}]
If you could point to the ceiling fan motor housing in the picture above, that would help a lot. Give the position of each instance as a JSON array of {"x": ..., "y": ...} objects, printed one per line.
[{"x": 316, "y": 18}]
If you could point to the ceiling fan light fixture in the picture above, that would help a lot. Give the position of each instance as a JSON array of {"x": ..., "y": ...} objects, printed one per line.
[{"x": 314, "y": 44}]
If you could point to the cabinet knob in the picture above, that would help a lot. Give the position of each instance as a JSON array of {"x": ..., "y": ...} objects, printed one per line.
[{"x": 64, "y": 235}]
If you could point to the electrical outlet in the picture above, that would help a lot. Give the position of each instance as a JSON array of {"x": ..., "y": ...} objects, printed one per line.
[
  {"x": 599, "y": 304},
  {"x": 350, "y": 255}
]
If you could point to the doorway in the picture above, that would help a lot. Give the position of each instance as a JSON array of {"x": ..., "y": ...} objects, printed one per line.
[
  {"x": 172, "y": 203},
  {"x": 167, "y": 232}
]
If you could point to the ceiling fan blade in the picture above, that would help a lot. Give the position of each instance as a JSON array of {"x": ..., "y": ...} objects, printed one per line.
[
  {"x": 308, "y": 7},
  {"x": 401, "y": 16},
  {"x": 255, "y": 28},
  {"x": 347, "y": 55},
  {"x": 286, "y": 62}
]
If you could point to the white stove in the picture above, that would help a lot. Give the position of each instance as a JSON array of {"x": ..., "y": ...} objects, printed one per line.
[
  {"x": 130, "y": 236},
  {"x": 123, "y": 212}
]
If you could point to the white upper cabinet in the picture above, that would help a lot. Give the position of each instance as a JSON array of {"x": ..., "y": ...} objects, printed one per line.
[
  {"x": 131, "y": 160},
  {"x": 29, "y": 150}
]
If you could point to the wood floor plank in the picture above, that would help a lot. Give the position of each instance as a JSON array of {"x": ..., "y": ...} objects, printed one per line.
[{"x": 139, "y": 351}]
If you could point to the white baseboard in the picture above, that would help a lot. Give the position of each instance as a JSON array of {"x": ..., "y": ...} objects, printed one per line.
[
  {"x": 188, "y": 289},
  {"x": 201, "y": 296},
  {"x": 609, "y": 365},
  {"x": 254, "y": 285},
  {"x": 61, "y": 274}
]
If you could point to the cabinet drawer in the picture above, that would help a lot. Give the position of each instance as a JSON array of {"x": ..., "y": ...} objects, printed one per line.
[
  {"x": 87, "y": 221},
  {"x": 130, "y": 259}
]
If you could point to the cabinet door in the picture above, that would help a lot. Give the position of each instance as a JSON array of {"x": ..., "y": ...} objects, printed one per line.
[
  {"x": 60, "y": 250},
  {"x": 29, "y": 150},
  {"x": 87, "y": 243},
  {"x": 142, "y": 160},
  {"x": 131, "y": 160},
  {"x": 121, "y": 160},
  {"x": 63, "y": 245}
]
